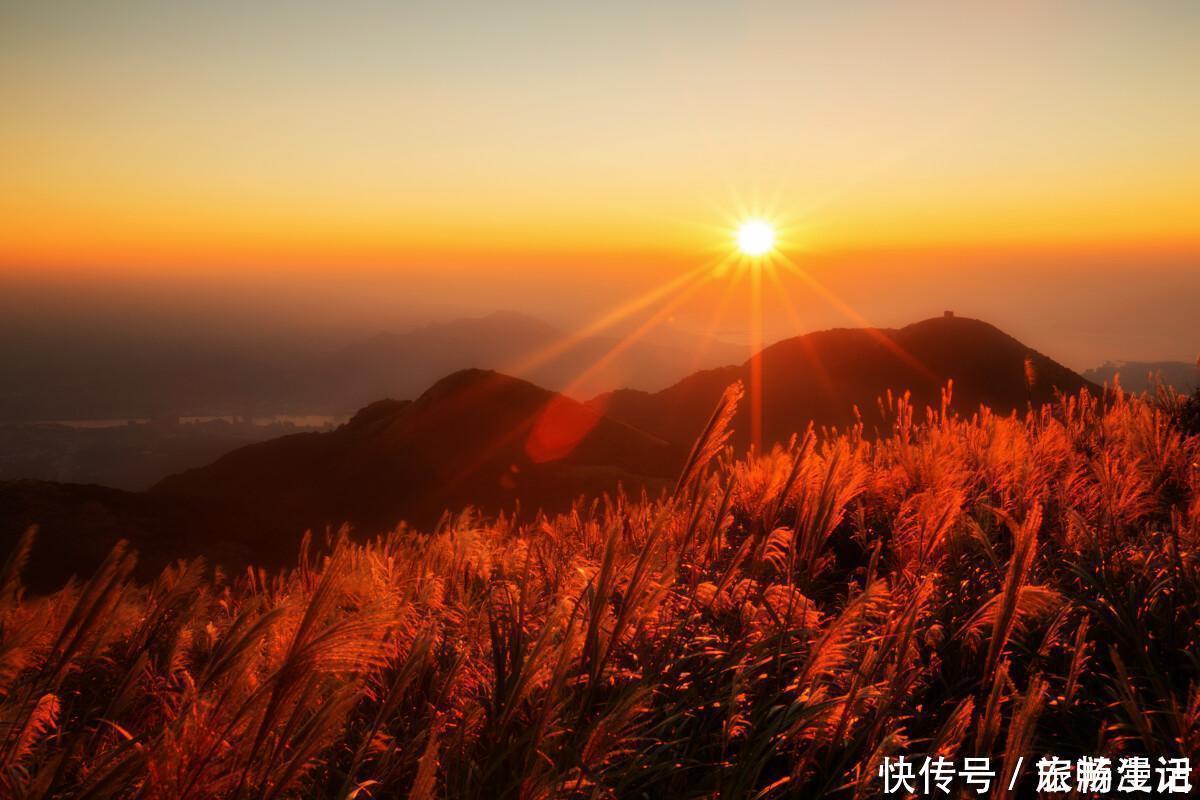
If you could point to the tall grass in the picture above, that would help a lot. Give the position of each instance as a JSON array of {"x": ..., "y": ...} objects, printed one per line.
[{"x": 989, "y": 585}]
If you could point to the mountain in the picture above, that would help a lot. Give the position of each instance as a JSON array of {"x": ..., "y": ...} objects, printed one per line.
[
  {"x": 480, "y": 438},
  {"x": 1142, "y": 376},
  {"x": 476, "y": 438},
  {"x": 108, "y": 379},
  {"x": 821, "y": 377},
  {"x": 78, "y": 524}
]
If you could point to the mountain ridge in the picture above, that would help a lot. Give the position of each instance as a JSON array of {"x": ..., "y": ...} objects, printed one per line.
[
  {"x": 478, "y": 438},
  {"x": 471, "y": 439},
  {"x": 832, "y": 377}
]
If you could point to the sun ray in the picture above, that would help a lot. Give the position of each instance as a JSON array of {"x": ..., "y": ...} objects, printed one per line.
[
  {"x": 607, "y": 320},
  {"x": 710, "y": 330},
  {"x": 488, "y": 450},
  {"x": 634, "y": 336},
  {"x": 850, "y": 313},
  {"x": 756, "y": 369},
  {"x": 821, "y": 373}
]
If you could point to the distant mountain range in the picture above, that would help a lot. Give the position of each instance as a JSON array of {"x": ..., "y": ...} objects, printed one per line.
[
  {"x": 82, "y": 380},
  {"x": 1142, "y": 376},
  {"x": 483, "y": 439}
]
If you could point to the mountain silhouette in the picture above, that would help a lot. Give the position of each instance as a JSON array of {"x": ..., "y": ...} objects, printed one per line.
[
  {"x": 486, "y": 440},
  {"x": 475, "y": 438},
  {"x": 78, "y": 524},
  {"x": 823, "y": 377}
]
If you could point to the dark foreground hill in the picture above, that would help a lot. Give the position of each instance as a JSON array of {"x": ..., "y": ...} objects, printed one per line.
[
  {"x": 78, "y": 524},
  {"x": 823, "y": 377}
]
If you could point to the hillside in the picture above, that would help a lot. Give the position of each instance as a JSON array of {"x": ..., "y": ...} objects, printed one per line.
[
  {"x": 475, "y": 438},
  {"x": 821, "y": 377},
  {"x": 79, "y": 523}
]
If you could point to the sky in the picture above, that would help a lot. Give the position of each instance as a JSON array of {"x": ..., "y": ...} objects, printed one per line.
[{"x": 365, "y": 163}]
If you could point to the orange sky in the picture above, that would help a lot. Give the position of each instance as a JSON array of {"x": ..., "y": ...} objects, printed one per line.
[{"x": 143, "y": 138}]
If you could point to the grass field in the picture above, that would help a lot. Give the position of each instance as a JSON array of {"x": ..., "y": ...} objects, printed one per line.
[{"x": 958, "y": 585}]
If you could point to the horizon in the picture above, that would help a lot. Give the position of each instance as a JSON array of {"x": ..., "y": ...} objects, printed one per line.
[{"x": 348, "y": 169}]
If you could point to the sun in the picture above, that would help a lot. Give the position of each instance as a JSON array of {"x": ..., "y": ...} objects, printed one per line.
[{"x": 755, "y": 237}]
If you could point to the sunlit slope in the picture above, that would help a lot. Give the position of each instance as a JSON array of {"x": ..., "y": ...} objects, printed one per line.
[{"x": 823, "y": 377}]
